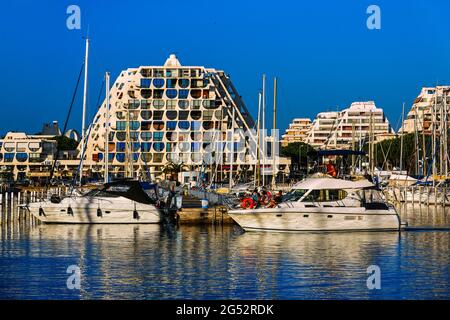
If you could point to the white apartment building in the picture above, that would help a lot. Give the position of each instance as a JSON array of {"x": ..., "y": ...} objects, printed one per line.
[
  {"x": 341, "y": 129},
  {"x": 297, "y": 131},
  {"x": 429, "y": 105}
]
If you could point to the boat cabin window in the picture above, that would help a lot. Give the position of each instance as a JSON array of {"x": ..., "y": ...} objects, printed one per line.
[
  {"x": 294, "y": 195},
  {"x": 325, "y": 195}
]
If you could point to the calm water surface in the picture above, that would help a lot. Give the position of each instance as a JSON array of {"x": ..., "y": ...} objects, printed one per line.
[{"x": 160, "y": 262}]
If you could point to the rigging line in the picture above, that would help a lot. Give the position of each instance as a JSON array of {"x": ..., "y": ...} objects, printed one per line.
[{"x": 65, "y": 124}]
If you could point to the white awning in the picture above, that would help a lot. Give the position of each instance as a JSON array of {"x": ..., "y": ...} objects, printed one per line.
[{"x": 331, "y": 183}]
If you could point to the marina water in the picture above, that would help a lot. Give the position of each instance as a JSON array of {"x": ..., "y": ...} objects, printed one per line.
[{"x": 223, "y": 262}]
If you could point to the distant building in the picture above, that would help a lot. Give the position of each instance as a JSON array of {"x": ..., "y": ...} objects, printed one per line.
[
  {"x": 341, "y": 129},
  {"x": 51, "y": 129},
  {"x": 172, "y": 114},
  {"x": 297, "y": 131},
  {"x": 427, "y": 106},
  {"x": 24, "y": 156}
]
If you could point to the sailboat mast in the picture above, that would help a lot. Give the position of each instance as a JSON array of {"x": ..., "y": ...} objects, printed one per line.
[
  {"x": 433, "y": 153},
  {"x": 107, "y": 129},
  {"x": 83, "y": 123},
  {"x": 401, "y": 138},
  {"x": 258, "y": 149},
  {"x": 264, "y": 144},
  {"x": 232, "y": 148},
  {"x": 445, "y": 134},
  {"x": 273, "y": 132}
]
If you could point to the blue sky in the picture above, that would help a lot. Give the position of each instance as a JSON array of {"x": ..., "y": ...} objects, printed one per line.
[{"x": 322, "y": 52}]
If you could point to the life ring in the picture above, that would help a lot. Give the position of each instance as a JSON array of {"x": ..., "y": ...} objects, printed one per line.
[{"x": 247, "y": 203}]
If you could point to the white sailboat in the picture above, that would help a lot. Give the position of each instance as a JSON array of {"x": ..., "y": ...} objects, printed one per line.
[{"x": 324, "y": 204}]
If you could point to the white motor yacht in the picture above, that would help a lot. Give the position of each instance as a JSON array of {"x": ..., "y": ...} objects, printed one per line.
[
  {"x": 116, "y": 202},
  {"x": 323, "y": 204}
]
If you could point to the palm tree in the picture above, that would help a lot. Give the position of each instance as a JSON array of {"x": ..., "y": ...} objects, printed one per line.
[{"x": 172, "y": 169}]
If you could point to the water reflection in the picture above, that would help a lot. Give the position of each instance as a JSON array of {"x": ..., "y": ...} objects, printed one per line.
[{"x": 157, "y": 262}]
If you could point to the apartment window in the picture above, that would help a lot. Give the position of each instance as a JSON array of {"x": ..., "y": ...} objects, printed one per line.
[
  {"x": 145, "y": 104},
  {"x": 171, "y": 125},
  {"x": 158, "y": 125},
  {"x": 146, "y": 157},
  {"x": 121, "y": 136},
  {"x": 120, "y": 157},
  {"x": 120, "y": 146},
  {"x": 207, "y": 115},
  {"x": 21, "y": 146},
  {"x": 171, "y": 93},
  {"x": 121, "y": 125},
  {"x": 171, "y": 115},
  {"x": 183, "y": 125},
  {"x": 196, "y": 104},
  {"x": 183, "y": 104},
  {"x": 158, "y": 115},
  {"x": 158, "y": 104},
  {"x": 135, "y": 146},
  {"x": 158, "y": 147},
  {"x": 171, "y": 104},
  {"x": 158, "y": 136},
  {"x": 183, "y": 115},
  {"x": 146, "y": 114},
  {"x": 196, "y": 115},
  {"x": 146, "y": 93},
  {"x": 9, "y": 146},
  {"x": 158, "y": 157},
  {"x": 35, "y": 157},
  {"x": 158, "y": 94},
  {"x": 9, "y": 157},
  {"x": 146, "y": 125},
  {"x": 133, "y": 104},
  {"x": 134, "y": 125},
  {"x": 183, "y": 83},
  {"x": 171, "y": 136},
  {"x": 171, "y": 83},
  {"x": 146, "y": 146},
  {"x": 146, "y": 73},
  {"x": 195, "y": 125},
  {"x": 196, "y": 94},
  {"x": 183, "y": 94},
  {"x": 145, "y": 83},
  {"x": 158, "y": 83},
  {"x": 21, "y": 156},
  {"x": 146, "y": 136}
]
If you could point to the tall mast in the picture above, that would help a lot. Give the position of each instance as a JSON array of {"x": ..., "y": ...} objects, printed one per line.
[
  {"x": 424, "y": 150},
  {"x": 107, "y": 129},
  {"x": 433, "y": 153},
  {"x": 444, "y": 97},
  {"x": 371, "y": 164},
  {"x": 85, "y": 92},
  {"x": 401, "y": 138},
  {"x": 416, "y": 139},
  {"x": 258, "y": 148},
  {"x": 264, "y": 135},
  {"x": 232, "y": 148},
  {"x": 273, "y": 132}
]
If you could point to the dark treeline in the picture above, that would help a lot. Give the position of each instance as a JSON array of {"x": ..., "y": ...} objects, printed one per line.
[{"x": 387, "y": 152}]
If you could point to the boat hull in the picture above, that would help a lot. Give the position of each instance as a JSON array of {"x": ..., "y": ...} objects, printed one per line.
[
  {"x": 316, "y": 219},
  {"x": 48, "y": 212}
]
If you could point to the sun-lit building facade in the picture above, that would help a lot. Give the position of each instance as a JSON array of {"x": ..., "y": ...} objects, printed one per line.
[
  {"x": 429, "y": 106},
  {"x": 342, "y": 129},
  {"x": 297, "y": 131},
  {"x": 171, "y": 114}
]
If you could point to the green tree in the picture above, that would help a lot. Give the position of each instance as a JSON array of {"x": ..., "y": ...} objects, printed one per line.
[
  {"x": 65, "y": 143},
  {"x": 298, "y": 152}
]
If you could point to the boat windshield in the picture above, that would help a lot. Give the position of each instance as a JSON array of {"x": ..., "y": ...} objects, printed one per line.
[
  {"x": 294, "y": 195},
  {"x": 99, "y": 193}
]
